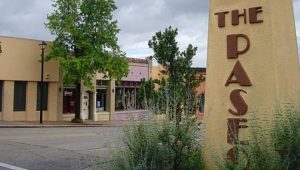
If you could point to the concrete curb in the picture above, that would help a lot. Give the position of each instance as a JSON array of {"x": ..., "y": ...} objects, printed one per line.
[
  {"x": 6, "y": 124},
  {"x": 54, "y": 126}
]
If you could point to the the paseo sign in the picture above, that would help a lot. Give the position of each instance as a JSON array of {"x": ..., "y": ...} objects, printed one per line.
[{"x": 238, "y": 74}]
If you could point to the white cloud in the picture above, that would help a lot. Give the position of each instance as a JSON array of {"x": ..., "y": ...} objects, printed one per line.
[{"x": 137, "y": 19}]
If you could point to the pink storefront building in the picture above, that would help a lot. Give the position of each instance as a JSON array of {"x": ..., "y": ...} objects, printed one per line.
[{"x": 111, "y": 99}]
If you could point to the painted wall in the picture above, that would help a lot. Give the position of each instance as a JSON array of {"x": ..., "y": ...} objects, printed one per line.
[
  {"x": 156, "y": 72},
  {"x": 137, "y": 71},
  {"x": 200, "y": 89},
  {"x": 20, "y": 62}
]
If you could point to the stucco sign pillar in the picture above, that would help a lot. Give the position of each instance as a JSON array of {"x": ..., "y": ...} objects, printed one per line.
[{"x": 252, "y": 69}]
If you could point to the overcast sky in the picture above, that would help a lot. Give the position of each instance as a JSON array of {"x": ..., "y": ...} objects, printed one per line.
[{"x": 137, "y": 19}]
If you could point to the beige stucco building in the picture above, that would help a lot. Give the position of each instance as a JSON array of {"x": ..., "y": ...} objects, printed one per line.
[{"x": 20, "y": 71}]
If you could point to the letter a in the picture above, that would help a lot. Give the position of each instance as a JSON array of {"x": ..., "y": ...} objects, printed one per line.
[{"x": 240, "y": 75}]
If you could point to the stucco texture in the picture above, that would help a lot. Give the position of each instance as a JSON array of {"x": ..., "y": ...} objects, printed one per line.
[{"x": 271, "y": 64}]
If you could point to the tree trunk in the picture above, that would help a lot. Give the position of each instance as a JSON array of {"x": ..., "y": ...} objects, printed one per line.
[
  {"x": 176, "y": 163},
  {"x": 77, "y": 118}
]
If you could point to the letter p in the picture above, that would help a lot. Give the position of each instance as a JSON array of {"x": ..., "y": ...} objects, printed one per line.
[{"x": 232, "y": 45}]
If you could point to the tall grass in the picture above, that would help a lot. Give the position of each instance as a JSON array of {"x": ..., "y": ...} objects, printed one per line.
[
  {"x": 141, "y": 150},
  {"x": 151, "y": 145},
  {"x": 275, "y": 149},
  {"x": 286, "y": 138},
  {"x": 172, "y": 143}
]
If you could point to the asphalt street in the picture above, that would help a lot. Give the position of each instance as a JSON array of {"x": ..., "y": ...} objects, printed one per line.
[{"x": 58, "y": 148}]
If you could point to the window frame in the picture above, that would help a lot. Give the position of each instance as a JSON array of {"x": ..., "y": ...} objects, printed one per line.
[{"x": 122, "y": 89}]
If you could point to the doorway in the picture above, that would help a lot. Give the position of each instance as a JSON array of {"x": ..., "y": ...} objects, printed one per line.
[{"x": 85, "y": 105}]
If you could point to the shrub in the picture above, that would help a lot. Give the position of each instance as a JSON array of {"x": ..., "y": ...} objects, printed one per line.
[
  {"x": 174, "y": 143},
  {"x": 286, "y": 138},
  {"x": 141, "y": 149},
  {"x": 281, "y": 152},
  {"x": 160, "y": 146}
]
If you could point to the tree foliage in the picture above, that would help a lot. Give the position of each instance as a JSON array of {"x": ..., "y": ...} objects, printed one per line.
[
  {"x": 177, "y": 137},
  {"x": 177, "y": 89},
  {"x": 86, "y": 41},
  {"x": 178, "y": 65}
]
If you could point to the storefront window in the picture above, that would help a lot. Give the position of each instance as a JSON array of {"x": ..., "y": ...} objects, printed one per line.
[
  {"x": 101, "y": 95},
  {"x": 119, "y": 99},
  {"x": 126, "y": 95},
  {"x": 102, "y": 83},
  {"x": 69, "y": 100},
  {"x": 101, "y": 100}
]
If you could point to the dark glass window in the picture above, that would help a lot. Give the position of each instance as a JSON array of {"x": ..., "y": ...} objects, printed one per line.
[
  {"x": 1, "y": 86},
  {"x": 201, "y": 102},
  {"x": 45, "y": 96},
  {"x": 119, "y": 104},
  {"x": 69, "y": 100},
  {"x": 101, "y": 100},
  {"x": 20, "y": 95},
  {"x": 126, "y": 96}
]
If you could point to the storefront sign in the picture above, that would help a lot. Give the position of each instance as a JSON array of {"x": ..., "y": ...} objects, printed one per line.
[
  {"x": 68, "y": 93},
  {"x": 238, "y": 74},
  {"x": 252, "y": 71}
]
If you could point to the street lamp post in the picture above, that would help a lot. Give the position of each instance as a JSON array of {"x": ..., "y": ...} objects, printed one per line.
[{"x": 43, "y": 46}]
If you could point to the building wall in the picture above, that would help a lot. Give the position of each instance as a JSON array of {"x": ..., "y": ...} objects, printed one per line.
[
  {"x": 137, "y": 72},
  {"x": 298, "y": 43},
  {"x": 156, "y": 72},
  {"x": 20, "y": 61}
]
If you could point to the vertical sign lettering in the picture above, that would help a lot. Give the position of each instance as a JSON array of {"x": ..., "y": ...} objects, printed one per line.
[{"x": 238, "y": 74}]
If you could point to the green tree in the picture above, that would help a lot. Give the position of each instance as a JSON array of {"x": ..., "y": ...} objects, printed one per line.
[
  {"x": 178, "y": 67},
  {"x": 178, "y": 137},
  {"x": 176, "y": 93},
  {"x": 85, "y": 42},
  {"x": 147, "y": 95}
]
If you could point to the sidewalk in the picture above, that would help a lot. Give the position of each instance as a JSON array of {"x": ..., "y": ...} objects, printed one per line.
[{"x": 53, "y": 124}]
